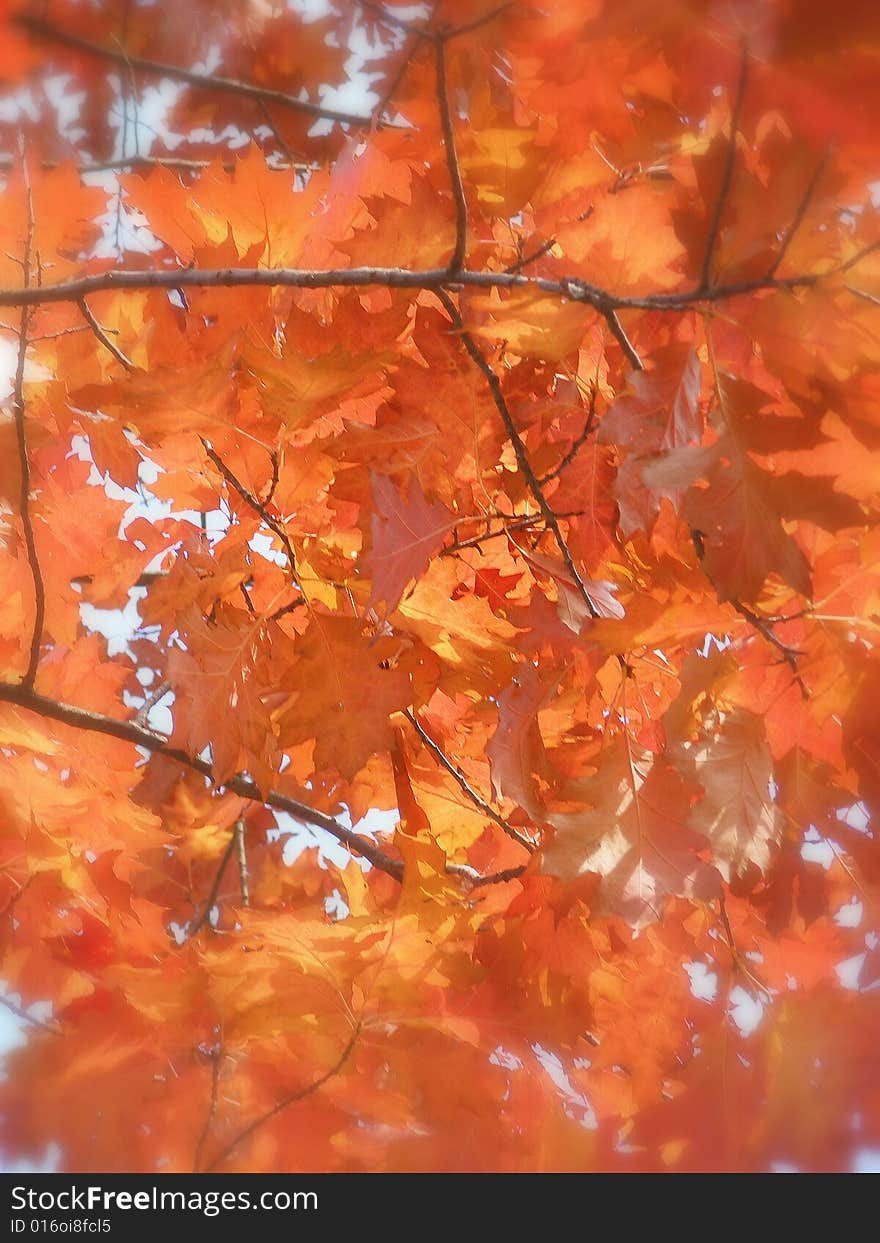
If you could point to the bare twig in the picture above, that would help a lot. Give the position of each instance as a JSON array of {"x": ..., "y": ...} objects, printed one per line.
[
  {"x": 519, "y": 449},
  {"x": 276, "y": 134},
  {"x": 212, "y": 82},
  {"x": 799, "y": 215},
  {"x": 140, "y": 736},
  {"x": 576, "y": 445},
  {"x": 478, "y": 22},
  {"x": 258, "y": 506},
  {"x": 216, "y": 1061},
  {"x": 241, "y": 856},
  {"x": 456, "y": 773},
  {"x": 515, "y": 523},
  {"x": 150, "y": 702},
  {"x": 19, "y": 1012},
  {"x": 198, "y": 923},
  {"x": 863, "y": 293},
  {"x": 726, "y": 175},
  {"x": 398, "y": 278},
  {"x": 286, "y": 1101},
  {"x": 21, "y": 440},
  {"x": 623, "y": 340},
  {"x": 99, "y": 332},
  {"x": 396, "y": 23},
  {"x": 456, "y": 262}
]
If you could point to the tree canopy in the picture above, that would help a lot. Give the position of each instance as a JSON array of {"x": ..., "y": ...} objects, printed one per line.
[{"x": 473, "y": 411}]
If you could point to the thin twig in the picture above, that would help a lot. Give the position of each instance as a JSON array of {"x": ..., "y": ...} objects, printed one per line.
[
  {"x": 396, "y": 23},
  {"x": 519, "y": 449},
  {"x": 21, "y": 440},
  {"x": 455, "y": 772},
  {"x": 469, "y": 27},
  {"x": 276, "y": 134},
  {"x": 399, "y": 278},
  {"x": 258, "y": 506},
  {"x": 456, "y": 262},
  {"x": 99, "y": 332},
  {"x": 150, "y": 702},
  {"x": 286, "y": 1101},
  {"x": 241, "y": 857},
  {"x": 726, "y": 175},
  {"x": 576, "y": 445},
  {"x": 216, "y": 1060},
  {"x": 623, "y": 340},
  {"x": 232, "y": 86},
  {"x": 198, "y": 923},
  {"x": 514, "y": 523},
  {"x": 799, "y": 215},
  {"x": 47, "y": 1025},
  {"x": 158, "y": 744}
]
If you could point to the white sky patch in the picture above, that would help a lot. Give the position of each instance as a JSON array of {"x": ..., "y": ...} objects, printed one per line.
[
  {"x": 576, "y": 1104},
  {"x": 745, "y": 1010},
  {"x": 704, "y": 983}
]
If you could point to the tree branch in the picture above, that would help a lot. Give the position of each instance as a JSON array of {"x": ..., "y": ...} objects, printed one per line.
[
  {"x": 519, "y": 449},
  {"x": 216, "y": 1059},
  {"x": 140, "y": 736},
  {"x": 398, "y": 278},
  {"x": 21, "y": 1013},
  {"x": 102, "y": 336},
  {"x": 575, "y": 446},
  {"x": 727, "y": 174},
  {"x": 455, "y": 772},
  {"x": 258, "y": 506},
  {"x": 241, "y": 856},
  {"x": 456, "y": 262},
  {"x": 799, "y": 214},
  {"x": 232, "y": 86},
  {"x": 21, "y": 441},
  {"x": 196, "y": 925},
  {"x": 284, "y": 1103}
]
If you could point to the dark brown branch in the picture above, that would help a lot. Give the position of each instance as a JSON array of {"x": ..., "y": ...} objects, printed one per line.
[
  {"x": 256, "y": 505},
  {"x": 575, "y": 446},
  {"x": 462, "y": 781},
  {"x": 799, "y": 215},
  {"x": 150, "y": 701},
  {"x": 231, "y": 86},
  {"x": 623, "y": 340},
  {"x": 514, "y": 523},
  {"x": 478, "y": 880},
  {"x": 456, "y": 262},
  {"x": 157, "y": 744},
  {"x": 276, "y": 133},
  {"x": 285, "y": 1102},
  {"x": 396, "y": 23},
  {"x": 726, "y": 175},
  {"x": 478, "y": 22},
  {"x": 216, "y": 1060},
  {"x": 198, "y": 923},
  {"x": 140, "y": 736},
  {"x": 519, "y": 449},
  {"x": 395, "y": 278},
  {"x": 857, "y": 258},
  {"x": 102, "y": 336},
  {"x": 180, "y": 163},
  {"x": 23, "y": 459}
]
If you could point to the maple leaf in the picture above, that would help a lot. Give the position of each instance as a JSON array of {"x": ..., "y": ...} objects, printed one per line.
[
  {"x": 440, "y": 576},
  {"x": 406, "y": 534},
  {"x": 635, "y": 836}
]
